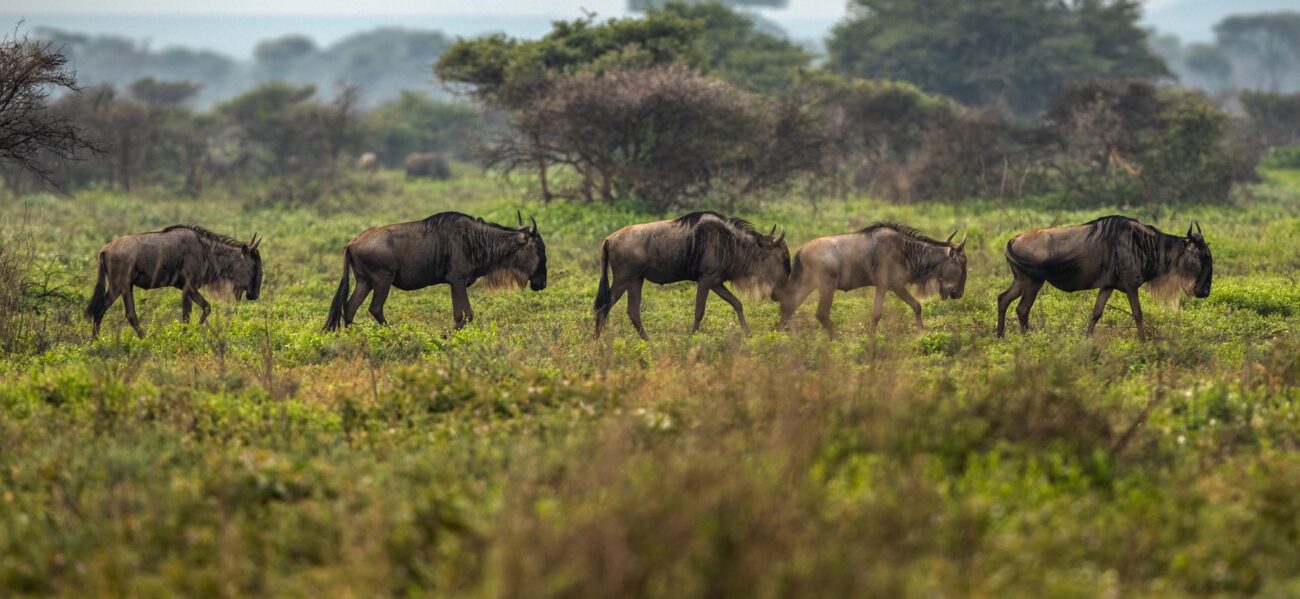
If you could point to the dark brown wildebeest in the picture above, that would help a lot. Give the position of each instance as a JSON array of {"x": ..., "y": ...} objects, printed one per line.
[
  {"x": 1110, "y": 253},
  {"x": 428, "y": 165},
  {"x": 186, "y": 257},
  {"x": 889, "y": 256},
  {"x": 705, "y": 247},
  {"x": 448, "y": 247}
]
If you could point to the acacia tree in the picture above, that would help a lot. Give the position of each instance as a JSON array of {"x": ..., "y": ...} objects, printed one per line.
[{"x": 30, "y": 134}]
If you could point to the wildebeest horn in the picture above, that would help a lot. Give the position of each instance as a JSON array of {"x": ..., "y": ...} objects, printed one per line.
[
  {"x": 961, "y": 244},
  {"x": 252, "y": 245},
  {"x": 1198, "y": 227},
  {"x": 949, "y": 239},
  {"x": 534, "y": 220},
  {"x": 519, "y": 215},
  {"x": 1190, "y": 224},
  {"x": 782, "y": 237}
]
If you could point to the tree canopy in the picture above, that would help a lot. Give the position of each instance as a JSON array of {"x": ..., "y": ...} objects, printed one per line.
[{"x": 1018, "y": 53}]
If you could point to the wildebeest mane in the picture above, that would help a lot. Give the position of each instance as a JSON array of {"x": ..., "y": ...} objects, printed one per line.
[
  {"x": 903, "y": 230},
  {"x": 433, "y": 222},
  {"x": 723, "y": 236},
  {"x": 1127, "y": 238},
  {"x": 207, "y": 235},
  {"x": 486, "y": 243},
  {"x": 696, "y": 219}
]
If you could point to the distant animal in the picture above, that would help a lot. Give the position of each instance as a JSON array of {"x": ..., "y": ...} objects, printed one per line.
[
  {"x": 186, "y": 257},
  {"x": 705, "y": 247},
  {"x": 888, "y": 256},
  {"x": 448, "y": 247},
  {"x": 1110, "y": 253},
  {"x": 426, "y": 165},
  {"x": 368, "y": 162}
]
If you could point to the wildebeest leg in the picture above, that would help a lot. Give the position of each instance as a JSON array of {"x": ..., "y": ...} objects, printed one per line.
[
  {"x": 108, "y": 303},
  {"x": 634, "y": 307},
  {"x": 460, "y": 305},
  {"x": 358, "y": 295},
  {"x": 1098, "y": 308},
  {"x": 602, "y": 315},
  {"x": 902, "y": 293},
  {"x": 128, "y": 299},
  {"x": 1136, "y": 307},
  {"x": 824, "y": 296},
  {"x": 381, "y": 295},
  {"x": 877, "y": 308},
  {"x": 1004, "y": 302},
  {"x": 701, "y": 299},
  {"x": 1027, "y": 303},
  {"x": 185, "y": 305},
  {"x": 731, "y": 298},
  {"x": 791, "y": 302}
]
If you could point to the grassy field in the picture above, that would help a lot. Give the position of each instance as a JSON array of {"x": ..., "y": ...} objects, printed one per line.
[{"x": 259, "y": 455}]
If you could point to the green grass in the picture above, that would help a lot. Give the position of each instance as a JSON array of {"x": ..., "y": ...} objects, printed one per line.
[{"x": 259, "y": 455}]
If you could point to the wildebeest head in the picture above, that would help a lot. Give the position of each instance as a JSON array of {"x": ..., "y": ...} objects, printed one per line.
[
  {"x": 952, "y": 273},
  {"x": 1196, "y": 265},
  {"x": 531, "y": 257},
  {"x": 769, "y": 267},
  {"x": 245, "y": 274}
]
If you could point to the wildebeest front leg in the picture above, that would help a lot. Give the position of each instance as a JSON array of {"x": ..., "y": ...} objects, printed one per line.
[
  {"x": 193, "y": 295},
  {"x": 902, "y": 293},
  {"x": 1098, "y": 308},
  {"x": 128, "y": 299},
  {"x": 1136, "y": 307},
  {"x": 731, "y": 298},
  {"x": 701, "y": 299},
  {"x": 460, "y": 305},
  {"x": 634, "y": 307}
]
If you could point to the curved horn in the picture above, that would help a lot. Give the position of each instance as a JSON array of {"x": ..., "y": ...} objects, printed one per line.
[
  {"x": 1190, "y": 224},
  {"x": 520, "y": 215},
  {"x": 534, "y": 219},
  {"x": 1198, "y": 227},
  {"x": 252, "y": 245},
  {"x": 949, "y": 239},
  {"x": 782, "y": 237},
  {"x": 961, "y": 244}
]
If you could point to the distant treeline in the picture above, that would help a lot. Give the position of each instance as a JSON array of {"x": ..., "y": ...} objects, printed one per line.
[
  {"x": 381, "y": 63},
  {"x": 1258, "y": 52}
]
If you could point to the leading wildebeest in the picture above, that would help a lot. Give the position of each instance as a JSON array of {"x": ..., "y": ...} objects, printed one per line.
[
  {"x": 705, "y": 247},
  {"x": 1112, "y": 252},
  {"x": 887, "y": 255},
  {"x": 448, "y": 247},
  {"x": 186, "y": 257}
]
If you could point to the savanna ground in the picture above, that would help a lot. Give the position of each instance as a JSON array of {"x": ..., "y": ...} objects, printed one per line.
[{"x": 259, "y": 455}]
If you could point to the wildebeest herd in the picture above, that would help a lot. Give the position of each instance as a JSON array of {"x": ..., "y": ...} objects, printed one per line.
[{"x": 1108, "y": 254}]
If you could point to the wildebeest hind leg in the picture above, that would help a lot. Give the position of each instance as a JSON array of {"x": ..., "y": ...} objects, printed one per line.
[
  {"x": 1027, "y": 303},
  {"x": 634, "y": 307},
  {"x": 128, "y": 300},
  {"x": 354, "y": 303},
  {"x": 602, "y": 313},
  {"x": 877, "y": 308},
  {"x": 381, "y": 296},
  {"x": 1136, "y": 307},
  {"x": 97, "y": 318},
  {"x": 1098, "y": 308},
  {"x": 701, "y": 300},
  {"x": 824, "y": 297},
  {"x": 731, "y": 298},
  {"x": 1004, "y": 301}
]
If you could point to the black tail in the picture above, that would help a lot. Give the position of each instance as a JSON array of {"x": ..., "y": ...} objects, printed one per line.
[
  {"x": 603, "y": 294},
  {"x": 340, "y": 296},
  {"x": 97, "y": 305}
]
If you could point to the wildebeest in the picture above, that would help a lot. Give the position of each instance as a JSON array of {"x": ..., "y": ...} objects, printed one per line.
[
  {"x": 889, "y": 256},
  {"x": 705, "y": 247},
  {"x": 448, "y": 247},
  {"x": 1109, "y": 253},
  {"x": 426, "y": 164},
  {"x": 186, "y": 257}
]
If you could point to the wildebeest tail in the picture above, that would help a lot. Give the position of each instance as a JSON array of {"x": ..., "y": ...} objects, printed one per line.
[
  {"x": 98, "y": 305},
  {"x": 340, "y": 296},
  {"x": 603, "y": 293}
]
